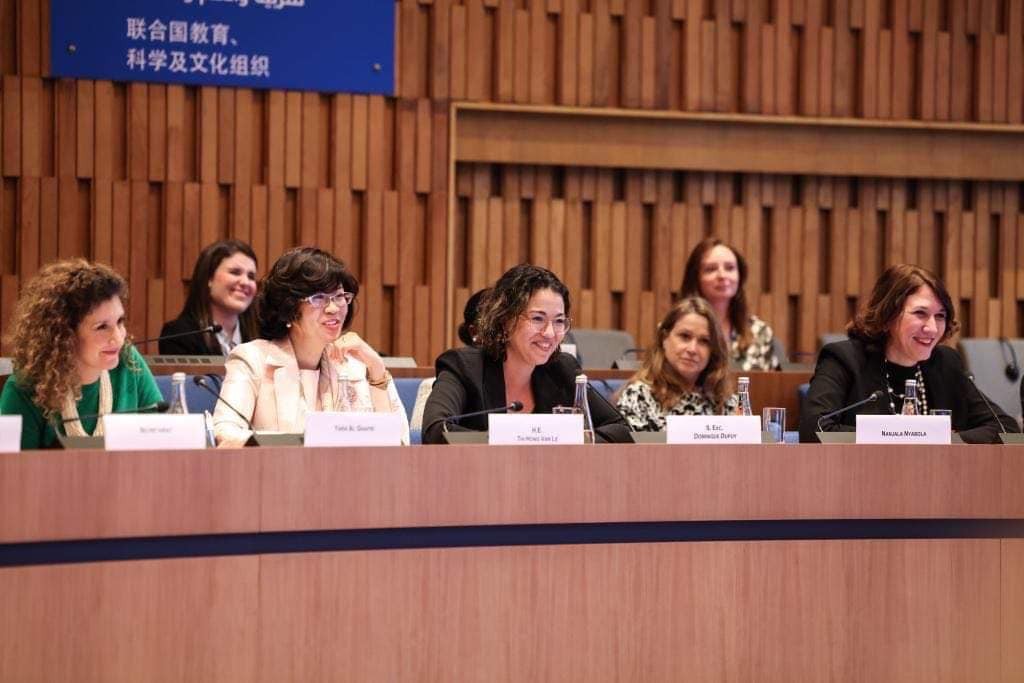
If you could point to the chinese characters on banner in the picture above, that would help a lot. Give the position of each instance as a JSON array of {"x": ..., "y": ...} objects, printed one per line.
[{"x": 327, "y": 45}]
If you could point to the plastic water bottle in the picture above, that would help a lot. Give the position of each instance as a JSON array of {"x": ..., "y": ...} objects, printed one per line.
[
  {"x": 582, "y": 406},
  {"x": 910, "y": 398},
  {"x": 743, "y": 389},
  {"x": 178, "y": 404}
]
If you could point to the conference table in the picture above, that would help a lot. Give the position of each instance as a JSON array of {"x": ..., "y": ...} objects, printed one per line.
[{"x": 569, "y": 563}]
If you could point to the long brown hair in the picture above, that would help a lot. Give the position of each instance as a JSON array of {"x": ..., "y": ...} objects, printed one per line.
[
  {"x": 505, "y": 302},
  {"x": 44, "y": 329},
  {"x": 666, "y": 383},
  {"x": 872, "y": 322},
  {"x": 197, "y": 304},
  {"x": 739, "y": 316}
]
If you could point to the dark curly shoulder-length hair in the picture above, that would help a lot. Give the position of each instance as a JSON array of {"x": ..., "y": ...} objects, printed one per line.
[
  {"x": 507, "y": 300},
  {"x": 875, "y": 318},
  {"x": 299, "y": 273},
  {"x": 44, "y": 330}
]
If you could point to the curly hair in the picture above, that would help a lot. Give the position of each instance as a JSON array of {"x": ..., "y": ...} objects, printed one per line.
[
  {"x": 666, "y": 383},
  {"x": 298, "y": 273},
  {"x": 197, "y": 304},
  {"x": 44, "y": 330},
  {"x": 872, "y": 322},
  {"x": 739, "y": 316},
  {"x": 507, "y": 300}
]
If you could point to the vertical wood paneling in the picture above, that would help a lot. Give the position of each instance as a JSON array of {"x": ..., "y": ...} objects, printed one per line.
[{"x": 143, "y": 175}]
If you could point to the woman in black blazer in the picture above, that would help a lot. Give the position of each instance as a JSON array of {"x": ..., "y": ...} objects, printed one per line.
[
  {"x": 221, "y": 292},
  {"x": 522, "y": 322},
  {"x": 896, "y": 337}
]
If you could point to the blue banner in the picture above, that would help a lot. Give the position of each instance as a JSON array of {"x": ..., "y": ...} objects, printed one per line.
[{"x": 325, "y": 45}]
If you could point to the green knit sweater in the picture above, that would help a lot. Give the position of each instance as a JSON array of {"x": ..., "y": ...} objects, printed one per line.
[{"x": 133, "y": 385}]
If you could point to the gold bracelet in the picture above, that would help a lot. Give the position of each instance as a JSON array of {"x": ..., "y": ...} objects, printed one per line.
[{"x": 381, "y": 383}]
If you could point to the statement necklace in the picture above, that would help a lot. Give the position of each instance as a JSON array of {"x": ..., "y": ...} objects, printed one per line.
[{"x": 922, "y": 394}]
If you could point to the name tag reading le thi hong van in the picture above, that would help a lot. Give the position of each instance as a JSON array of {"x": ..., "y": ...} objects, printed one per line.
[
  {"x": 923, "y": 429},
  {"x": 709, "y": 429},
  {"x": 133, "y": 432},
  {"x": 353, "y": 429},
  {"x": 534, "y": 430}
]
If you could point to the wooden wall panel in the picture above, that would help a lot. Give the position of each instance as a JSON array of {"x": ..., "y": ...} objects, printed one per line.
[
  {"x": 185, "y": 165},
  {"x": 776, "y": 611}
]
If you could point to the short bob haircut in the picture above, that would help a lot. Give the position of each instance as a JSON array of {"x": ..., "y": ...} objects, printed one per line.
[
  {"x": 298, "y": 273},
  {"x": 666, "y": 383},
  {"x": 875, "y": 318},
  {"x": 739, "y": 314},
  {"x": 507, "y": 300},
  {"x": 43, "y": 333},
  {"x": 197, "y": 304}
]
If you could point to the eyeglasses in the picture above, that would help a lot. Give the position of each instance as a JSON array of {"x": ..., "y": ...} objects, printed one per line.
[
  {"x": 321, "y": 300},
  {"x": 540, "y": 322}
]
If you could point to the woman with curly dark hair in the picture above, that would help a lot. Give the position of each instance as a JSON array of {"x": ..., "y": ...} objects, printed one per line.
[
  {"x": 896, "y": 336},
  {"x": 717, "y": 272},
  {"x": 522, "y": 321},
  {"x": 70, "y": 354},
  {"x": 307, "y": 360},
  {"x": 221, "y": 292},
  {"x": 685, "y": 372}
]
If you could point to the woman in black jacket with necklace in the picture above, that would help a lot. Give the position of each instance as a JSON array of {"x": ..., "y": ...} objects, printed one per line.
[{"x": 897, "y": 337}]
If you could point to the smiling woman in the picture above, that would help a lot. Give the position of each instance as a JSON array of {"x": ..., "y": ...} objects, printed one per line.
[
  {"x": 307, "y": 360},
  {"x": 895, "y": 337},
  {"x": 522, "y": 321},
  {"x": 221, "y": 292},
  {"x": 70, "y": 355}
]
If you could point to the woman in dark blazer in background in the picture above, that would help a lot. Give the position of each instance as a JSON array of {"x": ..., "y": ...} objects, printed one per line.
[
  {"x": 523, "y": 319},
  {"x": 896, "y": 336},
  {"x": 221, "y": 292}
]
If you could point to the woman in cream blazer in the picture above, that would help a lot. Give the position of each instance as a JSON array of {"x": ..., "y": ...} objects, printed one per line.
[{"x": 306, "y": 361}]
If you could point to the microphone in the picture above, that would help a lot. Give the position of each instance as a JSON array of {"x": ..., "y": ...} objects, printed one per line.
[
  {"x": 212, "y": 329},
  {"x": 202, "y": 381},
  {"x": 874, "y": 396},
  {"x": 988, "y": 405},
  {"x": 513, "y": 407},
  {"x": 158, "y": 407}
]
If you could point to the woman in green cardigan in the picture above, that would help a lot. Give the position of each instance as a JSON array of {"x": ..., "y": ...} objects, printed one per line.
[{"x": 70, "y": 357}]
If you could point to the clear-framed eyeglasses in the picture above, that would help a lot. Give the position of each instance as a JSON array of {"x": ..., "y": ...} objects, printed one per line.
[
  {"x": 321, "y": 299},
  {"x": 539, "y": 322}
]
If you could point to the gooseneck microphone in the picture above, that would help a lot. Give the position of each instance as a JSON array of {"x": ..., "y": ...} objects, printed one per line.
[
  {"x": 872, "y": 397},
  {"x": 201, "y": 381},
  {"x": 988, "y": 405},
  {"x": 513, "y": 407},
  {"x": 212, "y": 329},
  {"x": 158, "y": 407}
]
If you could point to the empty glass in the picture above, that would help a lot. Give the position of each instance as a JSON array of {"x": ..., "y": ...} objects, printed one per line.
[{"x": 773, "y": 423}]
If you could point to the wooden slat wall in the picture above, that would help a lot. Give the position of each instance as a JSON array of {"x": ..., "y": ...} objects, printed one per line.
[{"x": 143, "y": 175}]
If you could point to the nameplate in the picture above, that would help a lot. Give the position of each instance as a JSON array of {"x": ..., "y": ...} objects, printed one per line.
[
  {"x": 153, "y": 432},
  {"x": 708, "y": 429},
  {"x": 10, "y": 433},
  {"x": 353, "y": 429},
  {"x": 924, "y": 429},
  {"x": 535, "y": 430}
]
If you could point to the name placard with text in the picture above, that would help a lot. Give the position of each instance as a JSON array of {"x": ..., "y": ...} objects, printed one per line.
[
  {"x": 353, "y": 429},
  {"x": 534, "y": 430},
  {"x": 922, "y": 429},
  {"x": 133, "y": 432},
  {"x": 708, "y": 429}
]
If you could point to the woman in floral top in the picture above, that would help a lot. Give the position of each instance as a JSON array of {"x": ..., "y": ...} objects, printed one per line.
[
  {"x": 685, "y": 372},
  {"x": 718, "y": 272}
]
